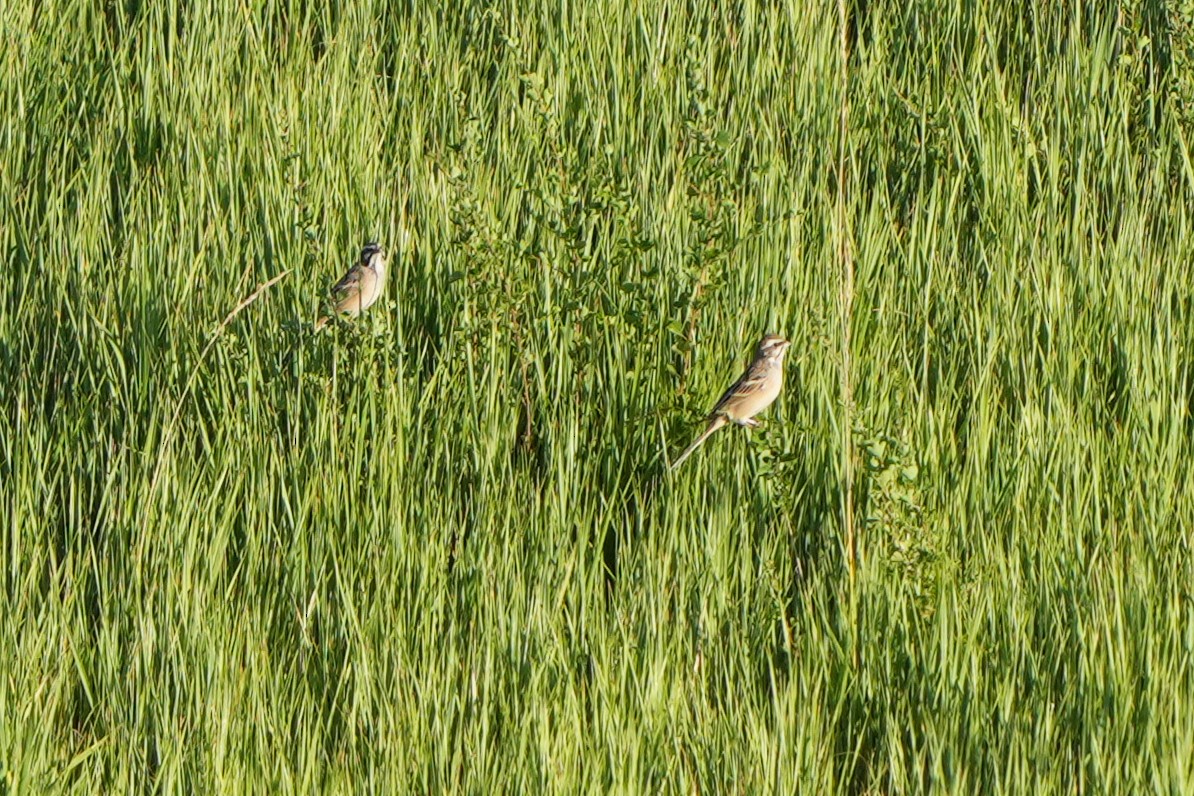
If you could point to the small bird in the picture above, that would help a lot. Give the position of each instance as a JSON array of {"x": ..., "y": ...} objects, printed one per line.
[
  {"x": 358, "y": 289},
  {"x": 756, "y": 389}
]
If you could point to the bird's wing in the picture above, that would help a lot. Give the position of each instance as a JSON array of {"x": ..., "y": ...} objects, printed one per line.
[
  {"x": 749, "y": 382},
  {"x": 350, "y": 283}
]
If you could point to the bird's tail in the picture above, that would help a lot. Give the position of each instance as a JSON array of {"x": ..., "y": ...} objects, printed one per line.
[
  {"x": 322, "y": 322},
  {"x": 717, "y": 422}
]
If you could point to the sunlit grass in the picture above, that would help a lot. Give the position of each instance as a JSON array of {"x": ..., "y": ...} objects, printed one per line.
[{"x": 437, "y": 549}]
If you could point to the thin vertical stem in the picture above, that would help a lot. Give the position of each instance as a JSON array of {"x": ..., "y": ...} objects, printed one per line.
[{"x": 846, "y": 303}]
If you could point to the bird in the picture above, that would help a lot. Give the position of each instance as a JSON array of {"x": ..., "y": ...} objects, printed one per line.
[
  {"x": 360, "y": 288},
  {"x": 756, "y": 389}
]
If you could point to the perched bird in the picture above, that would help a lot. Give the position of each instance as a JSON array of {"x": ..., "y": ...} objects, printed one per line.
[
  {"x": 755, "y": 390},
  {"x": 358, "y": 289}
]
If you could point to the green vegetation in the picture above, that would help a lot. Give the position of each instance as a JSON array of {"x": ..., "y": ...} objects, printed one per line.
[{"x": 437, "y": 549}]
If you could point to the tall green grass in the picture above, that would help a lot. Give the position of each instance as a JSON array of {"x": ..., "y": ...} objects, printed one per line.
[{"x": 437, "y": 549}]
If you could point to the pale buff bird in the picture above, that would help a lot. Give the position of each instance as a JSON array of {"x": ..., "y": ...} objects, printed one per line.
[
  {"x": 756, "y": 389},
  {"x": 360, "y": 288}
]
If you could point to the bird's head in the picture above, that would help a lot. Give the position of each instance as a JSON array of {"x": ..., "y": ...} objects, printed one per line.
[
  {"x": 773, "y": 347},
  {"x": 373, "y": 256}
]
